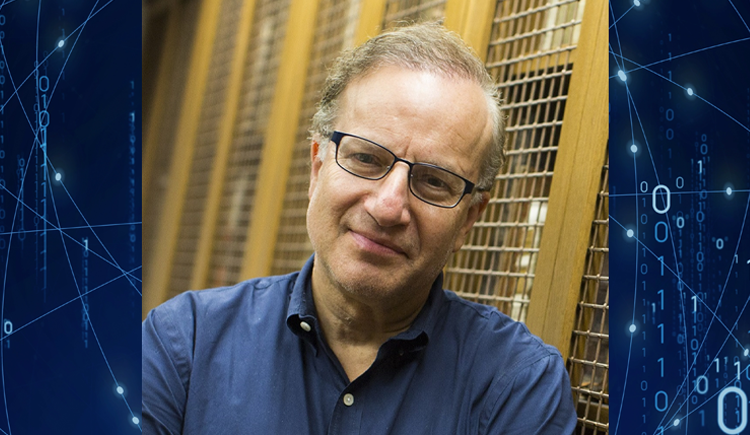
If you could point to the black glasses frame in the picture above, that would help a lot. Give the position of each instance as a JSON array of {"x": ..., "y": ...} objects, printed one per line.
[{"x": 336, "y": 139}]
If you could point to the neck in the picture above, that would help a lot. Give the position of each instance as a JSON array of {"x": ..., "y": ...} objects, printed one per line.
[{"x": 355, "y": 326}]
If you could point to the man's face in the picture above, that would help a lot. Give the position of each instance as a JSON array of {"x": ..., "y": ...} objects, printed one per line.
[{"x": 373, "y": 238}]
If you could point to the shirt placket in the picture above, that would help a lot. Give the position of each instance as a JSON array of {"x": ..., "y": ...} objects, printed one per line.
[{"x": 347, "y": 414}]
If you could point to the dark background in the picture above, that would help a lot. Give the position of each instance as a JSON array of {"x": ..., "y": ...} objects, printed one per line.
[
  {"x": 705, "y": 290},
  {"x": 67, "y": 352}
]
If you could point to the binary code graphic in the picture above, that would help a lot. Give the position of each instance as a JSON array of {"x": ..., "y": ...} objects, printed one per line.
[
  {"x": 680, "y": 236},
  {"x": 70, "y": 245}
]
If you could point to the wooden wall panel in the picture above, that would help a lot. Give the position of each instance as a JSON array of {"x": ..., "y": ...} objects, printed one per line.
[
  {"x": 212, "y": 112},
  {"x": 335, "y": 30},
  {"x": 400, "y": 12},
  {"x": 159, "y": 142},
  {"x": 239, "y": 186},
  {"x": 530, "y": 56}
]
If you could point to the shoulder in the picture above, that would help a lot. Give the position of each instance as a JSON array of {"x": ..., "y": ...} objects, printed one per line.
[
  {"x": 185, "y": 334},
  {"x": 242, "y": 295},
  {"x": 218, "y": 308},
  {"x": 496, "y": 332},
  {"x": 528, "y": 389}
]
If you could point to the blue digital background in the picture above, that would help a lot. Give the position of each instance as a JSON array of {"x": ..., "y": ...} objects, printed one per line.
[
  {"x": 70, "y": 211},
  {"x": 679, "y": 230}
]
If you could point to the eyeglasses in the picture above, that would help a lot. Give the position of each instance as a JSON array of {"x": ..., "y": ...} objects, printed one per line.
[{"x": 366, "y": 159}]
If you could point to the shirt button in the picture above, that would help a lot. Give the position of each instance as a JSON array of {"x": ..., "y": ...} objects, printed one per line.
[
  {"x": 348, "y": 399},
  {"x": 305, "y": 326}
]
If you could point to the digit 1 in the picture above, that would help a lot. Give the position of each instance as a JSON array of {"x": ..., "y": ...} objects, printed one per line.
[
  {"x": 661, "y": 298},
  {"x": 661, "y": 361},
  {"x": 737, "y": 363},
  {"x": 661, "y": 259},
  {"x": 661, "y": 337}
]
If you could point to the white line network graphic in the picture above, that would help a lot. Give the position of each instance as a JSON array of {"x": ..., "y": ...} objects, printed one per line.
[
  {"x": 680, "y": 195},
  {"x": 70, "y": 216}
]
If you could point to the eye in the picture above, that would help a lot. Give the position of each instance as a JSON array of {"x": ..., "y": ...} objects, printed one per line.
[
  {"x": 432, "y": 181},
  {"x": 435, "y": 182},
  {"x": 364, "y": 158}
]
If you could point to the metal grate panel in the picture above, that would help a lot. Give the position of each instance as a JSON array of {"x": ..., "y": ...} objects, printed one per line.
[
  {"x": 589, "y": 361},
  {"x": 336, "y": 23},
  {"x": 259, "y": 82},
  {"x": 205, "y": 147},
  {"x": 530, "y": 56},
  {"x": 158, "y": 182},
  {"x": 398, "y": 12}
]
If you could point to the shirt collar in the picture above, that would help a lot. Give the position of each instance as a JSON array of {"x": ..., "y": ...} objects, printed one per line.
[{"x": 302, "y": 311}]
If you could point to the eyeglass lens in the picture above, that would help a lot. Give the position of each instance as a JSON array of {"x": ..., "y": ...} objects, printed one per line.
[{"x": 368, "y": 160}]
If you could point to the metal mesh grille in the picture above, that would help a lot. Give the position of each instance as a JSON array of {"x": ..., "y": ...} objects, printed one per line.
[
  {"x": 205, "y": 146},
  {"x": 334, "y": 31},
  {"x": 399, "y": 12},
  {"x": 530, "y": 56},
  {"x": 589, "y": 363},
  {"x": 259, "y": 81},
  {"x": 159, "y": 179}
]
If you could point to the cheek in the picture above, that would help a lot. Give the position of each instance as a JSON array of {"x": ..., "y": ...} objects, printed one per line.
[
  {"x": 440, "y": 232},
  {"x": 331, "y": 194}
]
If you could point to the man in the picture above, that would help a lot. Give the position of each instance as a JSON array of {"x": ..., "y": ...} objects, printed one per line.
[{"x": 363, "y": 340}]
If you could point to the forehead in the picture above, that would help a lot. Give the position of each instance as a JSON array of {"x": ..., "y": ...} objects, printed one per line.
[{"x": 419, "y": 115}]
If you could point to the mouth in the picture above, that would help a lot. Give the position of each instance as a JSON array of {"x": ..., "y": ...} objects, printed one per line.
[{"x": 377, "y": 245}]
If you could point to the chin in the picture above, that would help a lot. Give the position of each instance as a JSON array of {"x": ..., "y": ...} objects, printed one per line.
[{"x": 363, "y": 278}]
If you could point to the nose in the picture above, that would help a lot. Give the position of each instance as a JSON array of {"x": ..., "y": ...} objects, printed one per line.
[{"x": 389, "y": 202}]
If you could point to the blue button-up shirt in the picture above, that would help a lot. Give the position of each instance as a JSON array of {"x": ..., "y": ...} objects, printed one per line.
[{"x": 251, "y": 359}]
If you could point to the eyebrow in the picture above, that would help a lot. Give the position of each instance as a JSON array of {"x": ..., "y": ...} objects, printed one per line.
[
  {"x": 448, "y": 166},
  {"x": 439, "y": 165}
]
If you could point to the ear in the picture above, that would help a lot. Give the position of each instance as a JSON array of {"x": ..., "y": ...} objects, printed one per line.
[
  {"x": 315, "y": 163},
  {"x": 475, "y": 211}
]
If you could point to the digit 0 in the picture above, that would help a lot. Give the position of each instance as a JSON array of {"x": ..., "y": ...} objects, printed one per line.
[
  {"x": 667, "y": 202},
  {"x": 743, "y": 410}
]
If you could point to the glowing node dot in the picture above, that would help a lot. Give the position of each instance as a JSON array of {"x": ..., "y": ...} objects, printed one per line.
[
  {"x": 747, "y": 352},
  {"x": 729, "y": 190},
  {"x": 630, "y": 233},
  {"x": 676, "y": 422},
  {"x": 120, "y": 390},
  {"x": 621, "y": 75},
  {"x": 61, "y": 43},
  {"x": 636, "y": 2},
  {"x": 690, "y": 91},
  {"x": 633, "y": 148},
  {"x": 632, "y": 328},
  {"x": 58, "y": 176},
  {"x": 136, "y": 420}
]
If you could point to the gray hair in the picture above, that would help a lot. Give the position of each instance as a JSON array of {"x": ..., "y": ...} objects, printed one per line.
[{"x": 420, "y": 47}]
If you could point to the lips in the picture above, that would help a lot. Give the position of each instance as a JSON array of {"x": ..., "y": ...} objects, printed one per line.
[{"x": 376, "y": 244}]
